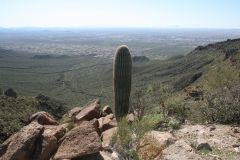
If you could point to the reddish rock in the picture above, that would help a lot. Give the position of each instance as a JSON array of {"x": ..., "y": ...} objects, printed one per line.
[
  {"x": 89, "y": 111},
  {"x": 49, "y": 144},
  {"x": 43, "y": 118},
  {"x": 80, "y": 141},
  {"x": 73, "y": 112},
  {"x": 107, "y": 110},
  {"x": 107, "y": 122},
  {"x": 21, "y": 145},
  {"x": 107, "y": 137},
  {"x": 94, "y": 123}
]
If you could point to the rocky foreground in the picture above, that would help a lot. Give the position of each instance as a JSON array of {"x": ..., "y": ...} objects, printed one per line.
[{"x": 86, "y": 132}]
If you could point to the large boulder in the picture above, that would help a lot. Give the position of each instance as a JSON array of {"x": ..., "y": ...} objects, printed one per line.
[
  {"x": 89, "y": 111},
  {"x": 202, "y": 144},
  {"x": 43, "y": 118},
  {"x": 80, "y": 141},
  {"x": 107, "y": 137},
  {"x": 153, "y": 143},
  {"x": 107, "y": 122},
  {"x": 72, "y": 113},
  {"x": 181, "y": 149},
  {"x": 49, "y": 141},
  {"x": 21, "y": 145}
]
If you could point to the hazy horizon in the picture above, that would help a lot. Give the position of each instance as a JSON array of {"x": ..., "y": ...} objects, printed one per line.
[{"x": 151, "y": 14}]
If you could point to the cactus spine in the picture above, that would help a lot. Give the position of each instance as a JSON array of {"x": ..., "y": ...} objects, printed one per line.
[{"x": 122, "y": 77}]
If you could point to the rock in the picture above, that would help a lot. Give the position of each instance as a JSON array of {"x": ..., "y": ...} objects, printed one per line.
[
  {"x": 80, "y": 141},
  {"x": 22, "y": 144},
  {"x": 116, "y": 156},
  {"x": 130, "y": 117},
  {"x": 202, "y": 144},
  {"x": 212, "y": 128},
  {"x": 222, "y": 137},
  {"x": 153, "y": 143},
  {"x": 10, "y": 93},
  {"x": 180, "y": 150},
  {"x": 73, "y": 112},
  {"x": 106, "y": 110},
  {"x": 43, "y": 118},
  {"x": 107, "y": 122},
  {"x": 94, "y": 156},
  {"x": 94, "y": 123},
  {"x": 107, "y": 137},
  {"x": 235, "y": 130},
  {"x": 89, "y": 111},
  {"x": 106, "y": 155},
  {"x": 49, "y": 141}
]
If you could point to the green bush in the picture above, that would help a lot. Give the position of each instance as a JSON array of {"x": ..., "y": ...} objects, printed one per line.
[
  {"x": 174, "y": 124},
  {"x": 222, "y": 105},
  {"x": 128, "y": 136},
  {"x": 176, "y": 107},
  {"x": 221, "y": 75}
]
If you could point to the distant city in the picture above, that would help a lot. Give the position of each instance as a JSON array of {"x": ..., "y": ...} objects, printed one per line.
[{"x": 154, "y": 43}]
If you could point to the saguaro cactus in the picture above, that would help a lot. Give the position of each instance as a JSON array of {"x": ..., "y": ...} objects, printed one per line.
[{"x": 122, "y": 77}]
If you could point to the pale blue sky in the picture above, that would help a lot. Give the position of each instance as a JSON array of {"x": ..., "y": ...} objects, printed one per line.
[{"x": 120, "y": 13}]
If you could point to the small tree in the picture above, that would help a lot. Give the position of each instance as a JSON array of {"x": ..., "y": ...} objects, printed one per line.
[
  {"x": 139, "y": 103},
  {"x": 159, "y": 94}
]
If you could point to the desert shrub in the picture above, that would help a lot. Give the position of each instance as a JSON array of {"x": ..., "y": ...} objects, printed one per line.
[
  {"x": 186, "y": 80},
  {"x": 139, "y": 103},
  {"x": 174, "y": 124},
  {"x": 221, "y": 75},
  {"x": 158, "y": 94},
  {"x": 10, "y": 93},
  {"x": 177, "y": 107},
  {"x": 70, "y": 125},
  {"x": 222, "y": 105},
  {"x": 52, "y": 106},
  {"x": 128, "y": 136}
]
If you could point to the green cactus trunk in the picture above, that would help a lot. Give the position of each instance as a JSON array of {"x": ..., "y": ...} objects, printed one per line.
[{"x": 122, "y": 77}]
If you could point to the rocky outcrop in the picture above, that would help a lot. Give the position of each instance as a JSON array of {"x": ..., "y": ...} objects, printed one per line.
[
  {"x": 107, "y": 137},
  {"x": 80, "y": 137},
  {"x": 43, "y": 118},
  {"x": 22, "y": 145},
  {"x": 80, "y": 141},
  {"x": 49, "y": 141},
  {"x": 217, "y": 141},
  {"x": 107, "y": 122},
  {"x": 181, "y": 149},
  {"x": 90, "y": 138},
  {"x": 89, "y": 111},
  {"x": 38, "y": 140},
  {"x": 73, "y": 112}
]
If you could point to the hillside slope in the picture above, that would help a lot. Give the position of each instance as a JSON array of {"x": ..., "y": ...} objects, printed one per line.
[
  {"x": 14, "y": 112},
  {"x": 75, "y": 80},
  {"x": 78, "y": 79}
]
